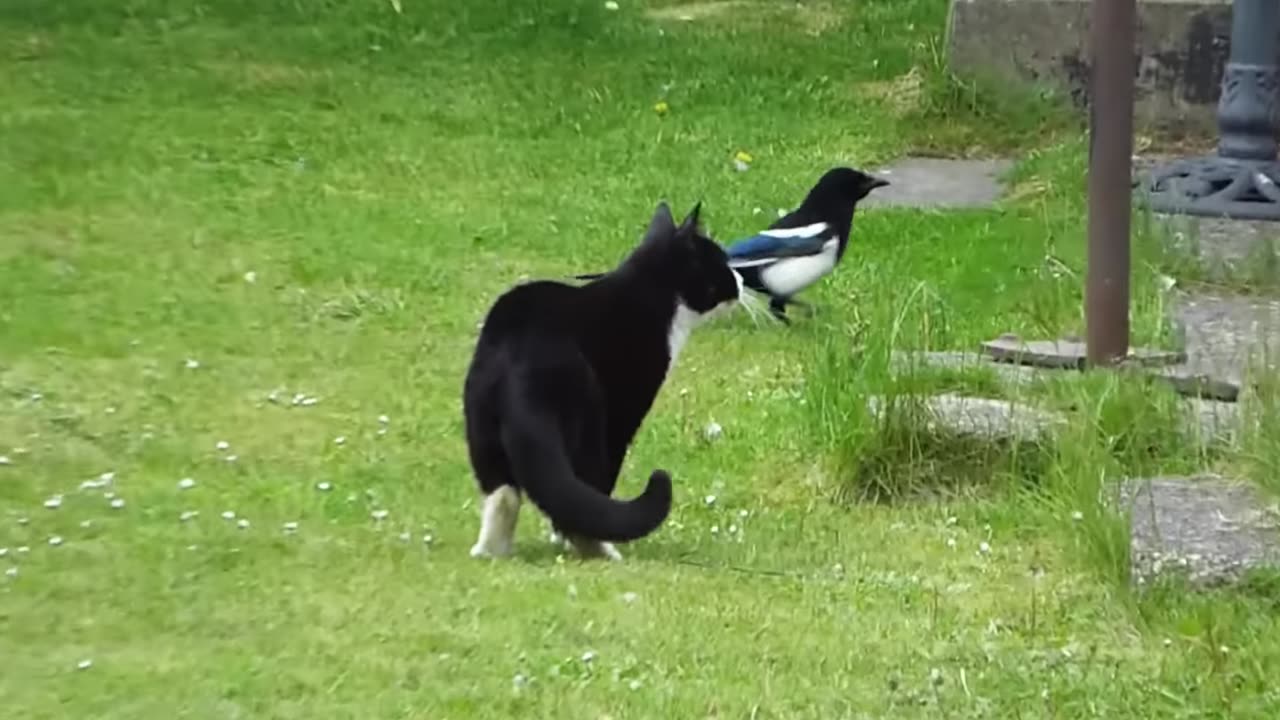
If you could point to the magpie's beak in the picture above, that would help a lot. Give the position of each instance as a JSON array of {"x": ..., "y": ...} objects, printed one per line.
[{"x": 877, "y": 183}]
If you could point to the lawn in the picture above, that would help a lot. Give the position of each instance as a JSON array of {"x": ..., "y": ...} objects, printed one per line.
[{"x": 244, "y": 248}]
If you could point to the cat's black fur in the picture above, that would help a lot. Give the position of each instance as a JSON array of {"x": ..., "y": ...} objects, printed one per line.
[{"x": 563, "y": 376}]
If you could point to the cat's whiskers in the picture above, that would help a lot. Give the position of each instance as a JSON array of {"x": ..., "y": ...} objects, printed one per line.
[{"x": 754, "y": 306}]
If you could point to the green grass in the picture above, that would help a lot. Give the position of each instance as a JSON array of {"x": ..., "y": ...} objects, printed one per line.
[{"x": 384, "y": 176}]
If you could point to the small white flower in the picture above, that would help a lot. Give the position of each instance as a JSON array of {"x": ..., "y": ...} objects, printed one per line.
[
  {"x": 4, "y": 551},
  {"x": 1077, "y": 515},
  {"x": 782, "y": 212},
  {"x": 242, "y": 523},
  {"x": 634, "y": 684},
  {"x": 251, "y": 277},
  {"x": 405, "y": 537},
  {"x": 323, "y": 486},
  {"x": 384, "y": 419},
  {"x": 23, "y": 549},
  {"x": 108, "y": 494},
  {"x": 428, "y": 539},
  {"x": 291, "y": 527},
  {"x": 298, "y": 398},
  {"x": 186, "y": 483},
  {"x": 309, "y": 401},
  {"x": 84, "y": 664},
  {"x": 192, "y": 364},
  {"x": 382, "y": 431},
  {"x": 629, "y": 597},
  {"x": 379, "y": 514},
  {"x": 23, "y": 520},
  {"x": 12, "y": 572},
  {"x": 222, "y": 445},
  {"x": 951, "y": 521},
  {"x": 710, "y": 499},
  {"x": 610, "y": 5},
  {"x": 340, "y": 440},
  {"x": 110, "y": 411},
  {"x": 733, "y": 529},
  {"x": 4, "y": 460},
  {"x": 984, "y": 547},
  {"x": 588, "y": 656},
  {"x": 55, "y": 540},
  {"x": 715, "y": 529},
  {"x": 1165, "y": 282},
  {"x": 231, "y": 458},
  {"x": 189, "y": 515},
  {"x": 756, "y": 211},
  {"x": 117, "y": 503},
  {"x": 743, "y": 513},
  {"x": 1167, "y": 642},
  {"x": 713, "y": 430},
  {"x": 54, "y": 502},
  {"x": 519, "y": 681},
  {"x": 228, "y": 515},
  {"x": 86, "y": 523},
  {"x": 951, "y": 542}
]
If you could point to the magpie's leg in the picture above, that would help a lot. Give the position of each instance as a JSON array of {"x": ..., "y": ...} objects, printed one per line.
[
  {"x": 778, "y": 306},
  {"x": 809, "y": 308}
]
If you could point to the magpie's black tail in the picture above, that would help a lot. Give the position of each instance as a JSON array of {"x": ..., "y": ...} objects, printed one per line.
[{"x": 536, "y": 455}]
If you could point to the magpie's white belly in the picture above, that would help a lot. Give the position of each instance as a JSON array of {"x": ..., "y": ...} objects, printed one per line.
[{"x": 791, "y": 275}]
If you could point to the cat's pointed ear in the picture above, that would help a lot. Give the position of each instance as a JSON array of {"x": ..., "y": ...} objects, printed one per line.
[
  {"x": 690, "y": 225},
  {"x": 662, "y": 226}
]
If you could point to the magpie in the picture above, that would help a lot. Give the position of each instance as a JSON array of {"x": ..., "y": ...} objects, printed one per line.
[{"x": 804, "y": 245}]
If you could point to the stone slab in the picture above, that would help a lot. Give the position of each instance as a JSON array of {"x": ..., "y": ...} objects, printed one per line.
[
  {"x": 1181, "y": 47},
  {"x": 1212, "y": 421},
  {"x": 1067, "y": 354},
  {"x": 1206, "y": 419},
  {"x": 941, "y": 183},
  {"x": 1209, "y": 529},
  {"x": 1007, "y": 373},
  {"x": 1227, "y": 337},
  {"x": 984, "y": 418},
  {"x": 1194, "y": 383},
  {"x": 1228, "y": 251}
]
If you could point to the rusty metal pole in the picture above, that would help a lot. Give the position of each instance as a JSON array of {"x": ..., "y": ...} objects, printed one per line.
[{"x": 1110, "y": 180}]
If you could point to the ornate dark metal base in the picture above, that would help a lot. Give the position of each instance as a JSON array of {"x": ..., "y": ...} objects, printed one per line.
[{"x": 1215, "y": 186}]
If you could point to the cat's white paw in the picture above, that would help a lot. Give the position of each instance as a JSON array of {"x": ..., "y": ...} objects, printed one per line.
[
  {"x": 482, "y": 550},
  {"x": 611, "y": 552},
  {"x": 597, "y": 549}
]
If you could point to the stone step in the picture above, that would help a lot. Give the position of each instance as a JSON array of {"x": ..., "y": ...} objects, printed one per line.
[{"x": 1208, "y": 529}]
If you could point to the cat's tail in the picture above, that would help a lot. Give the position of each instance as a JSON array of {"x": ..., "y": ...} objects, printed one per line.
[{"x": 535, "y": 450}]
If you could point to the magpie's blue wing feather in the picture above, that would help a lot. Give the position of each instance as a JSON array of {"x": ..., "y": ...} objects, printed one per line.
[{"x": 768, "y": 245}]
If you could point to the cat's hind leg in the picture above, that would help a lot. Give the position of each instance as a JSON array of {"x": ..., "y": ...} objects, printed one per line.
[
  {"x": 498, "y": 523},
  {"x": 595, "y": 549}
]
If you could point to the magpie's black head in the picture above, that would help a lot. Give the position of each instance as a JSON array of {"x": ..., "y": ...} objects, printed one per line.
[
  {"x": 685, "y": 260},
  {"x": 844, "y": 185}
]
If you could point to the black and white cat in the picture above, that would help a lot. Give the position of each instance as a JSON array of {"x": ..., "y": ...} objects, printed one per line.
[{"x": 563, "y": 376}]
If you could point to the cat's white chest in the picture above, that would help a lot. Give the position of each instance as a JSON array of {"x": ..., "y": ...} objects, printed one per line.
[{"x": 682, "y": 324}]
